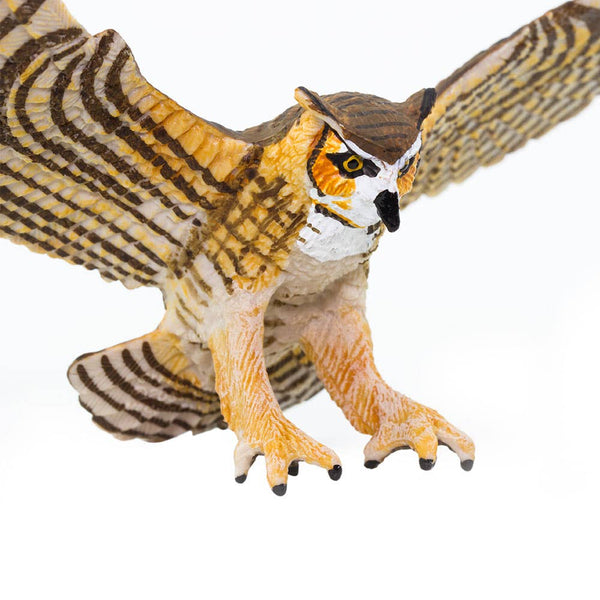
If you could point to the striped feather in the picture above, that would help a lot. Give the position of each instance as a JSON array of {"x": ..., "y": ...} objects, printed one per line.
[
  {"x": 293, "y": 377},
  {"x": 382, "y": 128},
  {"x": 519, "y": 89},
  {"x": 96, "y": 166},
  {"x": 145, "y": 388},
  {"x": 148, "y": 388}
]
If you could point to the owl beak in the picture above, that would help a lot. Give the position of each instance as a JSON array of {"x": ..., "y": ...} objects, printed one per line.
[{"x": 388, "y": 209}]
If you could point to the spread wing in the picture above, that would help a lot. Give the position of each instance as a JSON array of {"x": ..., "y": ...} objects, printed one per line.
[
  {"x": 520, "y": 88},
  {"x": 96, "y": 166}
]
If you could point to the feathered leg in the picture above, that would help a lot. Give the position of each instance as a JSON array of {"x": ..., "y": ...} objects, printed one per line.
[
  {"x": 248, "y": 403},
  {"x": 338, "y": 341}
]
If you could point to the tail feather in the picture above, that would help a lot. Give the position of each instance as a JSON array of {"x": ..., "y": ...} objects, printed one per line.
[{"x": 146, "y": 388}]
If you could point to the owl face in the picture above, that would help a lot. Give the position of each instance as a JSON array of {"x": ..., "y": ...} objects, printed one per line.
[{"x": 355, "y": 187}]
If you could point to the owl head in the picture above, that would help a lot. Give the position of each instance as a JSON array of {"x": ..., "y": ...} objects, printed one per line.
[{"x": 367, "y": 154}]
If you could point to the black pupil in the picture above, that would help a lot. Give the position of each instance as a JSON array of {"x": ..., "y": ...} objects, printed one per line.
[{"x": 353, "y": 163}]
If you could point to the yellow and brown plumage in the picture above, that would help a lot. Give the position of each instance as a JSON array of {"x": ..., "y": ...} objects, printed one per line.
[{"x": 259, "y": 240}]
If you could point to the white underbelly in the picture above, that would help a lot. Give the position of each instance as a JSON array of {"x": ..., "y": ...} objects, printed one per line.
[
  {"x": 325, "y": 252},
  {"x": 326, "y": 239},
  {"x": 305, "y": 278}
]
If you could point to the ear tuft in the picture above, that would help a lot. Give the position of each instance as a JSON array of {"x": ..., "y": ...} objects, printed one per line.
[
  {"x": 429, "y": 98},
  {"x": 311, "y": 101}
]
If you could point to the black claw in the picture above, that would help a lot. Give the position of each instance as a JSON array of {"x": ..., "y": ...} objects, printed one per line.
[
  {"x": 426, "y": 464},
  {"x": 241, "y": 478},
  {"x": 372, "y": 464},
  {"x": 467, "y": 465},
  {"x": 294, "y": 468},
  {"x": 280, "y": 490},
  {"x": 336, "y": 472},
  {"x": 222, "y": 425}
]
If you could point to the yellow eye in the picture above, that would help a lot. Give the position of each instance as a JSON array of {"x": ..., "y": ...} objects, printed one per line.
[{"x": 353, "y": 164}]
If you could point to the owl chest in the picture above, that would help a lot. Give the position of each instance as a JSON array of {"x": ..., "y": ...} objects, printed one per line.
[
  {"x": 326, "y": 251},
  {"x": 326, "y": 238}
]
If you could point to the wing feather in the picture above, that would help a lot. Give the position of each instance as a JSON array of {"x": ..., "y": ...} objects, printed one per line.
[
  {"x": 520, "y": 88},
  {"x": 97, "y": 166}
]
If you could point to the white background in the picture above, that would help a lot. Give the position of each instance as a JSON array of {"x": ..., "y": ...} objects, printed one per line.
[{"x": 485, "y": 305}]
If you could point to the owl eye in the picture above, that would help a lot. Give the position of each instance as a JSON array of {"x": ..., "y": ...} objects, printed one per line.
[
  {"x": 406, "y": 168},
  {"x": 353, "y": 164}
]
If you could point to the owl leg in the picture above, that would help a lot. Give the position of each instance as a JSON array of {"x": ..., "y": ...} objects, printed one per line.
[
  {"x": 249, "y": 406},
  {"x": 338, "y": 341}
]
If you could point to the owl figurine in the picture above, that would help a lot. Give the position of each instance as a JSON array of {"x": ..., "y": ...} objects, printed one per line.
[{"x": 260, "y": 240}]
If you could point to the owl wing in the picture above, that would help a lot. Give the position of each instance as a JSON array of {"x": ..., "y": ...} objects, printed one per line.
[
  {"x": 520, "y": 88},
  {"x": 97, "y": 166}
]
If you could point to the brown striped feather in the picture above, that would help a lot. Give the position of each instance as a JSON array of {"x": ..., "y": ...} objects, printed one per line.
[
  {"x": 520, "y": 88},
  {"x": 149, "y": 389},
  {"x": 96, "y": 166},
  {"x": 145, "y": 388}
]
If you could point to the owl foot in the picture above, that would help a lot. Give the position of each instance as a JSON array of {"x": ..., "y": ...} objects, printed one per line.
[
  {"x": 405, "y": 424},
  {"x": 283, "y": 446}
]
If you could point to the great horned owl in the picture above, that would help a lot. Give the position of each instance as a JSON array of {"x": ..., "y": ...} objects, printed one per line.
[{"x": 259, "y": 240}]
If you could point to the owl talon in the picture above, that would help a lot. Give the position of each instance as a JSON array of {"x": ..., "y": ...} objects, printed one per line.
[
  {"x": 244, "y": 457},
  {"x": 406, "y": 424},
  {"x": 335, "y": 473},
  {"x": 284, "y": 446},
  {"x": 426, "y": 464},
  {"x": 467, "y": 465},
  {"x": 279, "y": 490}
]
